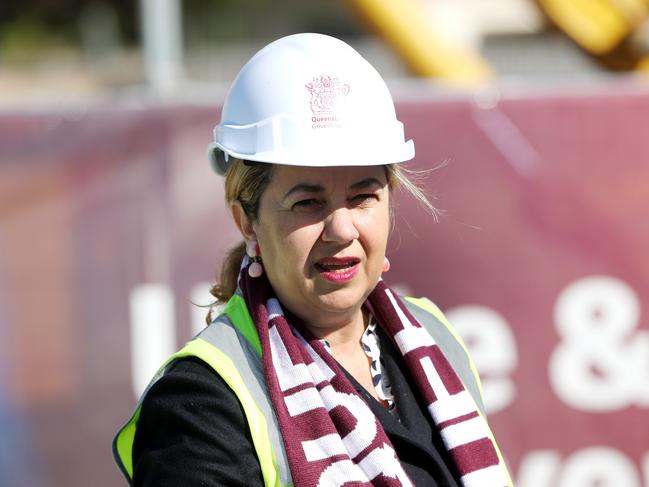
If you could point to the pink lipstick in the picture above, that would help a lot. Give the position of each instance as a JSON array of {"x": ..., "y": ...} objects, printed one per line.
[{"x": 338, "y": 269}]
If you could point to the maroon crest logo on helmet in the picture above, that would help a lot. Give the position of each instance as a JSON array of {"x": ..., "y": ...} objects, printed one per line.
[{"x": 325, "y": 93}]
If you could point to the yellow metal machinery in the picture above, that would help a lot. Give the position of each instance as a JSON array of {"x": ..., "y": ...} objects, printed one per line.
[
  {"x": 403, "y": 23},
  {"x": 599, "y": 26},
  {"x": 607, "y": 29}
]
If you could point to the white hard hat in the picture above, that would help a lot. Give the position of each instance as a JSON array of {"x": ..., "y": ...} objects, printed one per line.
[{"x": 309, "y": 100}]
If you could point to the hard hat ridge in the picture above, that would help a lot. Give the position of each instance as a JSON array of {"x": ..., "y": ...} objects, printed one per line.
[{"x": 309, "y": 100}]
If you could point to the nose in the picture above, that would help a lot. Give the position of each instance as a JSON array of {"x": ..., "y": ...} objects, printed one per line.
[{"x": 339, "y": 226}]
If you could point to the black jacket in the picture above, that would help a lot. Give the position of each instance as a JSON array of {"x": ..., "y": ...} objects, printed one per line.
[{"x": 192, "y": 431}]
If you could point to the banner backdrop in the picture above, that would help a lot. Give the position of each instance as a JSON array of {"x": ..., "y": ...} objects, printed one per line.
[{"x": 112, "y": 228}]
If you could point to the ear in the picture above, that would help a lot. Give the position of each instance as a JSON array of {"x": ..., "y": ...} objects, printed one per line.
[{"x": 243, "y": 222}]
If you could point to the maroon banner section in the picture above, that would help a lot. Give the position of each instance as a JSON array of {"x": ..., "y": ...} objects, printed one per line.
[{"x": 112, "y": 227}]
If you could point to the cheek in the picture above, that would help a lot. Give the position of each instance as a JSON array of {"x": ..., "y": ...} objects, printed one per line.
[
  {"x": 289, "y": 245},
  {"x": 376, "y": 228},
  {"x": 297, "y": 247}
]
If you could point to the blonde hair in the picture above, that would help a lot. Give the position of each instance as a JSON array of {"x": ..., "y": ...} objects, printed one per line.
[{"x": 246, "y": 182}]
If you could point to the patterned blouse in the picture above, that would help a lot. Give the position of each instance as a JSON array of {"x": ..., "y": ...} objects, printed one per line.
[{"x": 372, "y": 348}]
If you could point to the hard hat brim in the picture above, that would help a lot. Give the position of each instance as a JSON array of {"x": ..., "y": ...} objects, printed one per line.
[{"x": 219, "y": 157}]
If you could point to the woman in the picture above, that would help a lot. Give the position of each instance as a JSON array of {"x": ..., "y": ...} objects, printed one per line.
[{"x": 316, "y": 373}]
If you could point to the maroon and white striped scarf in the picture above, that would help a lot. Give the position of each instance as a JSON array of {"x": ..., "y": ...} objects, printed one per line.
[{"x": 330, "y": 434}]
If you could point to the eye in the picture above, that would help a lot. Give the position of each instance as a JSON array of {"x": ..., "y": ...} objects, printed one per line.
[
  {"x": 364, "y": 199},
  {"x": 309, "y": 204}
]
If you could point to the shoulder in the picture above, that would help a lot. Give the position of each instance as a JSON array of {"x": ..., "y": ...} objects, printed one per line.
[
  {"x": 425, "y": 305},
  {"x": 190, "y": 390},
  {"x": 191, "y": 428},
  {"x": 185, "y": 377},
  {"x": 189, "y": 393}
]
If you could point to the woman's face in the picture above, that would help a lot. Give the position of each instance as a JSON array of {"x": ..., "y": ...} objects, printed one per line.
[{"x": 322, "y": 234}]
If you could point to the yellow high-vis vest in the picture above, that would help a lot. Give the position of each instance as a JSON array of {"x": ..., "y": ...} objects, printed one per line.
[{"x": 230, "y": 346}]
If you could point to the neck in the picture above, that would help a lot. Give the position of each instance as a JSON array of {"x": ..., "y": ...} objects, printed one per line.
[{"x": 340, "y": 333}]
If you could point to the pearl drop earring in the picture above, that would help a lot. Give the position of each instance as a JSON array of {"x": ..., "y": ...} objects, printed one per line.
[{"x": 255, "y": 268}]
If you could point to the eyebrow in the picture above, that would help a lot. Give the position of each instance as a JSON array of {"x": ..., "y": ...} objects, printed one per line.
[
  {"x": 318, "y": 188},
  {"x": 304, "y": 188},
  {"x": 364, "y": 183}
]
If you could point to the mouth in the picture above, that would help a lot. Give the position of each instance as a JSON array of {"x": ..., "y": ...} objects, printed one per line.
[{"x": 338, "y": 269}]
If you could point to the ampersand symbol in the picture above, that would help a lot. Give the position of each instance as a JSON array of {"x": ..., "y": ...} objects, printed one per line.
[{"x": 601, "y": 362}]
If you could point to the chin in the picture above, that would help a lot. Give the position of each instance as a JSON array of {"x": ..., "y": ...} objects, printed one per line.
[{"x": 343, "y": 300}]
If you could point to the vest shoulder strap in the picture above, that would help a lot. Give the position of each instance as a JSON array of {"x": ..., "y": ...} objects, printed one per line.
[
  {"x": 222, "y": 345},
  {"x": 454, "y": 349},
  {"x": 245, "y": 375}
]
